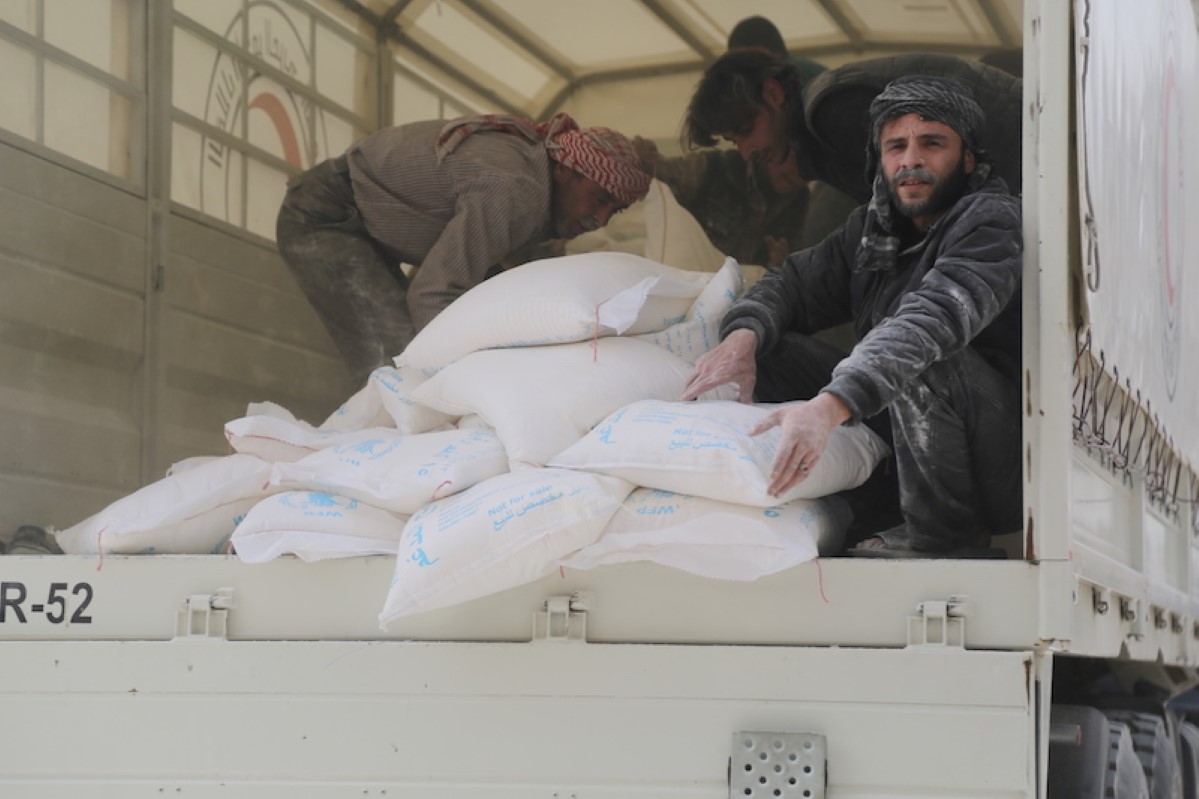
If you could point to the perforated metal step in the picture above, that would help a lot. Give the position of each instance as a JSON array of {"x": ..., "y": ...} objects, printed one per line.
[{"x": 789, "y": 765}]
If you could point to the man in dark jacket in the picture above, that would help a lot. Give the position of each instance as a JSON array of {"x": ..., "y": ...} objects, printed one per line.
[
  {"x": 764, "y": 106},
  {"x": 760, "y": 33},
  {"x": 759, "y": 213},
  {"x": 756, "y": 217},
  {"x": 929, "y": 272}
]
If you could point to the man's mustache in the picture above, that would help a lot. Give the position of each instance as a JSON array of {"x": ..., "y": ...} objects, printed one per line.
[{"x": 913, "y": 173}]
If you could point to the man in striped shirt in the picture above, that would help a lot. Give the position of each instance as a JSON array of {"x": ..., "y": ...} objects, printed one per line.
[{"x": 449, "y": 199}]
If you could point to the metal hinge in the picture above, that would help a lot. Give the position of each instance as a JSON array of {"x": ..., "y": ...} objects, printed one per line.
[
  {"x": 764, "y": 765},
  {"x": 562, "y": 619},
  {"x": 204, "y": 615},
  {"x": 939, "y": 622}
]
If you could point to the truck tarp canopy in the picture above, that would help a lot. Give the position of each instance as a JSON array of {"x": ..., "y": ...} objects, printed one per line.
[{"x": 630, "y": 64}]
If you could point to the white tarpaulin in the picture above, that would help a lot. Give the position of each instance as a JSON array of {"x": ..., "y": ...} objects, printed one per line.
[{"x": 1139, "y": 78}]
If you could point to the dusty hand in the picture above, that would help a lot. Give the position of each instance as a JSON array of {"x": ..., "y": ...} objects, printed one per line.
[
  {"x": 805, "y": 432},
  {"x": 731, "y": 361}
]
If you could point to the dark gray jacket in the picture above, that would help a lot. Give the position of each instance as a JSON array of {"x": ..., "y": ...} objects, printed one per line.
[{"x": 957, "y": 286}]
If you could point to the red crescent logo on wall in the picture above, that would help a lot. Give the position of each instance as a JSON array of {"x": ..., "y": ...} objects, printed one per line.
[
  {"x": 270, "y": 104},
  {"x": 252, "y": 107}
]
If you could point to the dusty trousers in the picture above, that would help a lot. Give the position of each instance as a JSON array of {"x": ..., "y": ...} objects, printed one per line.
[
  {"x": 956, "y": 435},
  {"x": 352, "y": 281}
]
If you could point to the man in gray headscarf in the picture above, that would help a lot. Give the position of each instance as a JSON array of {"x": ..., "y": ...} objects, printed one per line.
[{"x": 929, "y": 273}]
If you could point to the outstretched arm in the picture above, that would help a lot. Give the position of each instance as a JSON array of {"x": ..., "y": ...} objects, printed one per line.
[
  {"x": 492, "y": 216},
  {"x": 805, "y": 432},
  {"x": 731, "y": 361}
]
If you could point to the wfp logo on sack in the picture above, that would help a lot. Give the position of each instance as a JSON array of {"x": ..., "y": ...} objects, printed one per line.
[
  {"x": 362, "y": 452},
  {"x": 319, "y": 504},
  {"x": 655, "y": 502},
  {"x": 415, "y": 540},
  {"x": 391, "y": 381}
]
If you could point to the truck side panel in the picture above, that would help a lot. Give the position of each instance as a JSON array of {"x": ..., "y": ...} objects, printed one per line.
[{"x": 504, "y": 721}]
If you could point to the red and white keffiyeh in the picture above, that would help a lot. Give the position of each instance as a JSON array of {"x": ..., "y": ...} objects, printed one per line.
[{"x": 601, "y": 154}]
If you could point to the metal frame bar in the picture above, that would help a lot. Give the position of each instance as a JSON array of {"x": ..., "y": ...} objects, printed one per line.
[
  {"x": 39, "y": 78},
  {"x": 323, "y": 20},
  {"x": 239, "y": 145},
  {"x": 319, "y": 19},
  {"x": 387, "y": 65},
  {"x": 857, "y": 41},
  {"x": 842, "y": 21},
  {"x": 416, "y": 77},
  {"x": 139, "y": 66},
  {"x": 384, "y": 82},
  {"x": 676, "y": 25},
  {"x": 216, "y": 223},
  {"x": 44, "y": 49},
  {"x": 239, "y": 164},
  {"x": 310, "y": 110},
  {"x": 453, "y": 73},
  {"x": 393, "y": 13},
  {"x": 681, "y": 67},
  {"x": 40, "y": 150},
  {"x": 558, "y": 99},
  {"x": 684, "y": 67},
  {"x": 366, "y": 47},
  {"x": 615, "y": 76},
  {"x": 43, "y": 52},
  {"x": 242, "y": 146},
  {"x": 998, "y": 22},
  {"x": 1048, "y": 334},
  {"x": 491, "y": 18},
  {"x": 159, "y": 47},
  {"x": 224, "y": 45}
]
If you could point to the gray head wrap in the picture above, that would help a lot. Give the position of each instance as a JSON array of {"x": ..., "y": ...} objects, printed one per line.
[
  {"x": 934, "y": 98},
  {"x": 938, "y": 99}
]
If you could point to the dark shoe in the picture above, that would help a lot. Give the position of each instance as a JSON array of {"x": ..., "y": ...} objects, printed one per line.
[
  {"x": 898, "y": 543},
  {"x": 977, "y": 553},
  {"x": 875, "y": 503},
  {"x": 31, "y": 540}
]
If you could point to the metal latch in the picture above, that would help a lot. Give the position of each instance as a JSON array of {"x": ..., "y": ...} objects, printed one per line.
[
  {"x": 1131, "y": 612},
  {"x": 205, "y": 615},
  {"x": 769, "y": 764},
  {"x": 562, "y": 619},
  {"x": 939, "y": 622}
]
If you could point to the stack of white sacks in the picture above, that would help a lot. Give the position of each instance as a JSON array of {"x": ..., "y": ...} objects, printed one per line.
[{"x": 535, "y": 424}]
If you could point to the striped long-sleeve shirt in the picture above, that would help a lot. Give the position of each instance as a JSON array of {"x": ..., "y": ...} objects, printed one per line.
[{"x": 453, "y": 220}]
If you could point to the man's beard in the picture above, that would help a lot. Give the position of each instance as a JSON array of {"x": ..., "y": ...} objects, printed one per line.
[{"x": 945, "y": 193}]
